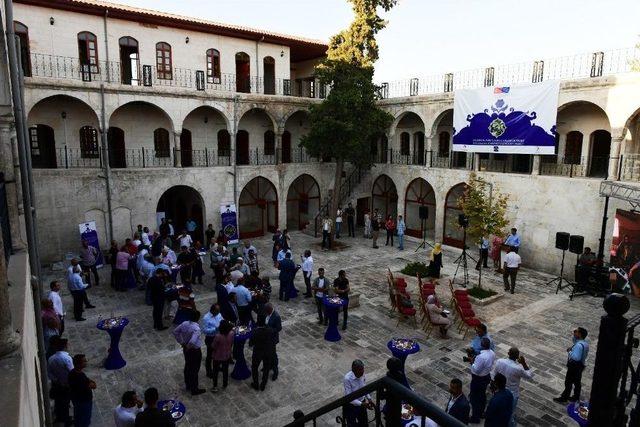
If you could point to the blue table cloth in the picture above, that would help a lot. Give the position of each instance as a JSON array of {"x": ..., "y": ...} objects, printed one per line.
[
  {"x": 332, "y": 309},
  {"x": 403, "y": 353},
  {"x": 175, "y": 408},
  {"x": 240, "y": 370},
  {"x": 114, "y": 327},
  {"x": 572, "y": 411}
]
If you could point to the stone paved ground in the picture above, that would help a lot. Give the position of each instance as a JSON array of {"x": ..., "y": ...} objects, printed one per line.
[{"x": 535, "y": 319}]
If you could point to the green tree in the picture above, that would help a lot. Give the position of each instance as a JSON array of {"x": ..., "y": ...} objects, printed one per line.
[
  {"x": 345, "y": 123},
  {"x": 486, "y": 209}
]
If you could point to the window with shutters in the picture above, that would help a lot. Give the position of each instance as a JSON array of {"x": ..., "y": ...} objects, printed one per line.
[
  {"x": 89, "y": 148},
  {"x": 88, "y": 52},
  {"x": 163, "y": 61},
  {"x": 213, "y": 66},
  {"x": 161, "y": 142}
]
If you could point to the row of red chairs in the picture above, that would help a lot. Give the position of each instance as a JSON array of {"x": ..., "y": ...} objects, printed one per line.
[
  {"x": 466, "y": 316},
  {"x": 397, "y": 294}
]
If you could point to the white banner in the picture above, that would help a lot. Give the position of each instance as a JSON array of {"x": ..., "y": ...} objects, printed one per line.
[{"x": 506, "y": 119}]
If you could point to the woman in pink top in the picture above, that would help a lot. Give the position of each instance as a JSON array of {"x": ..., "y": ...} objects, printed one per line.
[
  {"x": 122, "y": 268},
  {"x": 221, "y": 348}
]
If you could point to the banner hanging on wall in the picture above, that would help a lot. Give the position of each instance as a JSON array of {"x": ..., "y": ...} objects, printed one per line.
[
  {"x": 506, "y": 119},
  {"x": 89, "y": 232},
  {"x": 229, "y": 221}
]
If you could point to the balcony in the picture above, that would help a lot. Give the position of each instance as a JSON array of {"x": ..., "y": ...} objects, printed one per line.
[
  {"x": 432, "y": 159},
  {"x": 135, "y": 74}
]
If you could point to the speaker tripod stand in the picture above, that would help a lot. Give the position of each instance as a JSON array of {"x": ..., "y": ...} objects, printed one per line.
[
  {"x": 462, "y": 261},
  {"x": 424, "y": 243},
  {"x": 560, "y": 281}
]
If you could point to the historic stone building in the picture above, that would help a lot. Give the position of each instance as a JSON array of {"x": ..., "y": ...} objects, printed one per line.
[{"x": 133, "y": 112}]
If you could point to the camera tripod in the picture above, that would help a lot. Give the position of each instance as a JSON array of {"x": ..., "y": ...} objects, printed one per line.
[
  {"x": 424, "y": 243},
  {"x": 558, "y": 281},
  {"x": 462, "y": 261}
]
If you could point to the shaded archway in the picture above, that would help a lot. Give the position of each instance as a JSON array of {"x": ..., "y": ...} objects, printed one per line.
[
  {"x": 253, "y": 127},
  {"x": 420, "y": 194},
  {"x": 181, "y": 202},
  {"x": 303, "y": 202},
  {"x": 296, "y": 127},
  {"x": 452, "y": 232},
  {"x": 385, "y": 196},
  {"x": 206, "y": 126},
  {"x": 257, "y": 208}
]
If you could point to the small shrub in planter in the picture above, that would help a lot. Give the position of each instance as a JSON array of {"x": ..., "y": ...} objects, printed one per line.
[
  {"x": 481, "y": 293},
  {"x": 415, "y": 268}
]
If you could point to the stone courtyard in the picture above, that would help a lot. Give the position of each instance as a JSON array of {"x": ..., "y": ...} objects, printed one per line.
[{"x": 535, "y": 319}]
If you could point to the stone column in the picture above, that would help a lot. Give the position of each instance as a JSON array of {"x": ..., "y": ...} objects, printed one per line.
[
  {"x": 614, "y": 157},
  {"x": 10, "y": 167},
  {"x": 177, "y": 161},
  {"x": 279, "y": 133},
  {"x": 232, "y": 143},
  {"x": 562, "y": 144},
  {"x": 390, "y": 147},
  {"x": 535, "y": 168},
  {"x": 9, "y": 341},
  {"x": 476, "y": 162}
]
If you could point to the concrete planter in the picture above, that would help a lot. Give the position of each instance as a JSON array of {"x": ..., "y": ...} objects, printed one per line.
[
  {"x": 486, "y": 301},
  {"x": 354, "y": 300}
]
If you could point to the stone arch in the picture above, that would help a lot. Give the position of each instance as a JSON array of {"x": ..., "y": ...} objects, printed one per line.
[
  {"x": 420, "y": 194},
  {"x": 296, "y": 126},
  {"x": 303, "y": 201},
  {"x": 181, "y": 202},
  {"x": 401, "y": 115},
  {"x": 199, "y": 137},
  {"x": 452, "y": 232},
  {"x": 438, "y": 121},
  {"x": 257, "y": 208},
  {"x": 384, "y": 196},
  {"x": 250, "y": 134}
]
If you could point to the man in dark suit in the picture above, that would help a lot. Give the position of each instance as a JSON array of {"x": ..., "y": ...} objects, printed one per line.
[
  {"x": 498, "y": 413},
  {"x": 263, "y": 348},
  {"x": 287, "y": 273},
  {"x": 157, "y": 291},
  {"x": 229, "y": 311},
  {"x": 152, "y": 416},
  {"x": 274, "y": 321},
  {"x": 458, "y": 405}
]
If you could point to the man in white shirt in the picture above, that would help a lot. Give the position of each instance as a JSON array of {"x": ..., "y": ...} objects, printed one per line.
[
  {"x": 54, "y": 297},
  {"x": 307, "y": 269},
  {"x": 511, "y": 264},
  {"x": 481, "y": 366},
  {"x": 514, "y": 368},
  {"x": 245, "y": 250},
  {"x": 320, "y": 286},
  {"x": 144, "y": 237},
  {"x": 58, "y": 367},
  {"x": 356, "y": 410},
  {"x": 124, "y": 415},
  {"x": 185, "y": 239}
]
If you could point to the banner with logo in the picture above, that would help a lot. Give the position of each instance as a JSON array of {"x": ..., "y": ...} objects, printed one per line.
[
  {"x": 229, "y": 221},
  {"x": 506, "y": 119},
  {"x": 89, "y": 232}
]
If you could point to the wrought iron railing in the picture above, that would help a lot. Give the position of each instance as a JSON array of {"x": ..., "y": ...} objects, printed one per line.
[
  {"x": 506, "y": 163},
  {"x": 137, "y": 74},
  {"x": 388, "y": 396},
  {"x": 580, "y": 66},
  {"x": 575, "y": 166},
  {"x": 72, "y": 158}
]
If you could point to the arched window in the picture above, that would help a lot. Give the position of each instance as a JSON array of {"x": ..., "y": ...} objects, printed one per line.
[
  {"x": 443, "y": 144},
  {"x": 243, "y": 69},
  {"x": 405, "y": 143},
  {"x": 129, "y": 60},
  {"x": 89, "y": 148},
  {"x": 269, "y": 74},
  {"x": 163, "y": 61},
  {"x": 22, "y": 32},
  {"x": 213, "y": 66},
  {"x": 573, "y": 148},
  {"x": 88, "y": 53},
  {"x": 269, "y": 143},
  {"x": 161, "y": 143},
  {"x": 224, "y": 143}
]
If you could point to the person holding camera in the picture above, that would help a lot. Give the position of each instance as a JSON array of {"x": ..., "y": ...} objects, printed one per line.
[
  {"x": 577, "y": 358},
  {"x": 514, "y": 368},
  {"x": 481, "y": 366}
]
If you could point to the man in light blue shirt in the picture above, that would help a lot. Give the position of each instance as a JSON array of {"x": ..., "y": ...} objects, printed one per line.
[
  {"x": 576, "y": 361},
  {"x": 210, "y": 324},
  {"x": 243, "y": 298},
  {"x": 400, "y": 229},
  {"x": 484, "y": 253},
  {"x": 513, "y": 239},
  {"x": 476, "y": 342},
  {"x": 78, "y": 292},
  {"x": 58, "y": 367}
]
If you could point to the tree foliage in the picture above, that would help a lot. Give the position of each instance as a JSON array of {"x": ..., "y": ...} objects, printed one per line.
[{"x": 485, "y": 207}]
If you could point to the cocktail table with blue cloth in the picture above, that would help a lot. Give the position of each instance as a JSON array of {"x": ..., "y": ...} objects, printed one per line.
[
  {"x": 114, "y": 327},
  {"x": 573, "y": 410},
  {"x": 402, "y": 348},
  {"x": 240, "y": 370},
  {"x": 332, "y": 308},
  {"x": 175, "y": 408}
]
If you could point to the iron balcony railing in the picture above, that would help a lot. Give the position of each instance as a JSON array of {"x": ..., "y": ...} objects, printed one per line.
[
  {"x": 137, "y": 74},
  {"x": 575, "y": 166},
  {"x": 571, "y": 67}
]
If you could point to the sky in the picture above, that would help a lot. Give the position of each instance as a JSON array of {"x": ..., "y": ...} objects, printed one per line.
[{"x": 426, "y": 37}]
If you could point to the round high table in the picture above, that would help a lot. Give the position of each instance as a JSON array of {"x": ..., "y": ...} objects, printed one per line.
[
  {"x": 402, "y": 354},
  {"x": 572, "y": 411},
  {"x": 332, "y": 311},
  {"x": 174, "y": 407},
  {"x": 240, "y": 370},
  {"x": 114, "y": 328}
]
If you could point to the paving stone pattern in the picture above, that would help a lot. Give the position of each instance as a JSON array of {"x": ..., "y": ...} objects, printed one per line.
[{"x": 535, "y": 319}]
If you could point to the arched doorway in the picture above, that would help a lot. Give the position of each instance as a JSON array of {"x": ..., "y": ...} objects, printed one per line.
[
  {"x": 22, "y": 32},
  {"x": 186, "y": 148},
  {"x": 179, "y": 203},
  {"x": 600, "y": 149},
  {"x": 420, "y": 194},
  {"x": 42, "y": 143},
  {"x": 269, "y": 72},
  {"x": 385, "y": 197},
  {"x": 286, "y": 147},
  {"x": 117, "y": 152},
  {"x": 243, "y": 68},
  {"x": 129, "y": 61},
  {"x": 453, "y": 233},
  {"x": 303, "y": 202},
  {"x": 242, "y": 147},
  {"x": 257, "y": 208}
]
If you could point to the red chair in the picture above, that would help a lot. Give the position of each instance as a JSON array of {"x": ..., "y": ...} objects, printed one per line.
[{"x": 405, "y": 312}]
